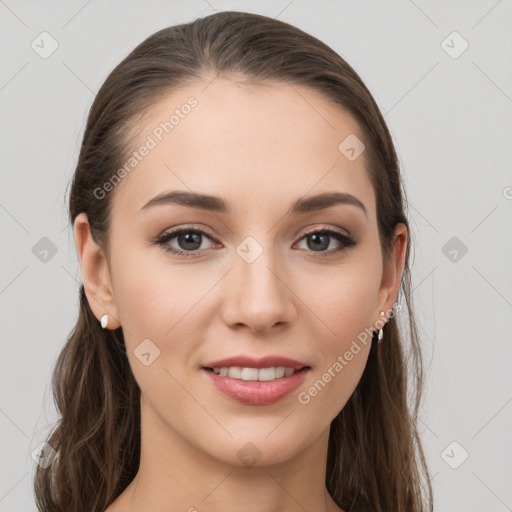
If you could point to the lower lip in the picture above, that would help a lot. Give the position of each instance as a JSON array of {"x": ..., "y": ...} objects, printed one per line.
[{"x": 257, "y": 392}]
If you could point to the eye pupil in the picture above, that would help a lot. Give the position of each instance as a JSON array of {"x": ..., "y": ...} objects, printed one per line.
[
  {"x": 190, "y": 238},
  {"x": 318, "y": 242}
]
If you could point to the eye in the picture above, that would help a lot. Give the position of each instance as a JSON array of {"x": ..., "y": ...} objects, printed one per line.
[
  {"x": 189, "y": 241},
  {"x": 319, "y": 239}
]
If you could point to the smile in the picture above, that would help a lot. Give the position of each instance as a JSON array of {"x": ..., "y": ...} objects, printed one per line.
[
  {"x": 260, "y": 374},
  {"x": 256, "y": 386}
]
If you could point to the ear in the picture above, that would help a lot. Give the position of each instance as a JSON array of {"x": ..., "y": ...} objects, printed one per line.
[
  {"x": 95, "y": 273},
  {"x": 392, "y": 272}
]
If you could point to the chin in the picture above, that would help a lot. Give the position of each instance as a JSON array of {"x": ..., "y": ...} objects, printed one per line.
[{"x": 260, "y": 449}]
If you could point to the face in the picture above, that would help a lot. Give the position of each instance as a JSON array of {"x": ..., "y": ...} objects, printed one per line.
[{"x": 263, "y": 277}]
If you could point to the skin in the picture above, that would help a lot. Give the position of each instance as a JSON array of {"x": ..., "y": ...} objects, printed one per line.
[{"x": 260, "y": 147}]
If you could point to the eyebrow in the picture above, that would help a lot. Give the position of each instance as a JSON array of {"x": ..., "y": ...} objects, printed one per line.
[{"x": 217, "y": 204}]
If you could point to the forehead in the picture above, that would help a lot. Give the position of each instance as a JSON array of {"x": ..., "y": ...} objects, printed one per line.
[{"x": 253, "y": 144}]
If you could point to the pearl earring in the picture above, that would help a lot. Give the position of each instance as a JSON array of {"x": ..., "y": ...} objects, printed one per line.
[
  {"x": 104, "y": 321},
  {"x": 381, "y": 334}
]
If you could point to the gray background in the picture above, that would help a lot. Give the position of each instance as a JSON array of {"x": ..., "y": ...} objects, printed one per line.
[{"x": 451, "y": 119}]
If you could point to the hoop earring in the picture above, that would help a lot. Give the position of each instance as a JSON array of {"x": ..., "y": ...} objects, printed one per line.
[
  {"x": 104, "y": 321},
  {"x": 381, "y": 334}
]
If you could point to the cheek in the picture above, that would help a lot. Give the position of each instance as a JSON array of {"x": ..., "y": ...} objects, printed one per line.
[
  {"x": 152, "y": 295},
  {"x": 159, "y": 302},
  {"x": 345, "y": 303},
  {"x": 327, "y": 392},
  {"x": 345, "y": 300}
]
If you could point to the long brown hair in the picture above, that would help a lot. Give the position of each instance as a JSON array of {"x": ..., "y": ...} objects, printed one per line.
[{"x": 375, "y": 459}]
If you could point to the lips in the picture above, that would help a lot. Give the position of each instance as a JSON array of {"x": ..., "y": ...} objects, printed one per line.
[{"x": 249, "y": 390}]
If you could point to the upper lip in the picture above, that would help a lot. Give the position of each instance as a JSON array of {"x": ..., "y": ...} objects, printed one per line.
[{"x": 251, "y": 362}]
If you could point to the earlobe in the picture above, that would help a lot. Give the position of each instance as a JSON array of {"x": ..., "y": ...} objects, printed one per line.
[{"x": 95, "y": 273}]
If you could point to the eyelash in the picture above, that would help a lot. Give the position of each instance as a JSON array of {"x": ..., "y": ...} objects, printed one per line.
[{"x": 346, "y": 241}]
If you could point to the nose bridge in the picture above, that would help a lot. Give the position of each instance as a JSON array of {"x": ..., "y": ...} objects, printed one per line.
[{"x": 259, "y": 297}]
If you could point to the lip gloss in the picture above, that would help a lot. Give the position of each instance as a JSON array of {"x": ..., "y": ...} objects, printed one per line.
[{"x": 255, "y": 392}]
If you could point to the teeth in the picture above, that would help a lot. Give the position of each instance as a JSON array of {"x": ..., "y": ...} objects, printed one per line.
[
  {"x": 249, "y": 374},
  {"x": 265, "y": 374},
  {"x": 262, "y": 374},
  {"x": 235, "y": 372}
]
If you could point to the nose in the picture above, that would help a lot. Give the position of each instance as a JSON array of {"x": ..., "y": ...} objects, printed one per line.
[{"x": 257, "y": 295}]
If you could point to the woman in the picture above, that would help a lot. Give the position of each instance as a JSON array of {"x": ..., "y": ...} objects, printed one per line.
[{"x": 240, "y": 226}]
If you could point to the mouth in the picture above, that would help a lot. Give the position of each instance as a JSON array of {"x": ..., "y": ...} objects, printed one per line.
[{"x": 250, "y": 385}]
